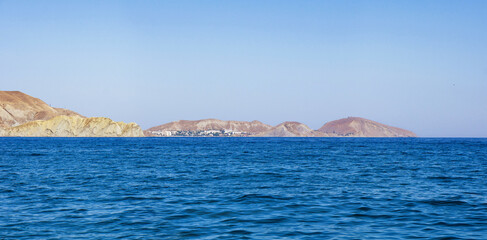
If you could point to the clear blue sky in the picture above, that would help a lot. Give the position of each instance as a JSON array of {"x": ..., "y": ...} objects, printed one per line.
[{"x": 419, "y": 65}]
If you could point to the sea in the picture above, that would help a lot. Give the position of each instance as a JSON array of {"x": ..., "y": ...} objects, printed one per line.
[{"x": 243, "y": 188}]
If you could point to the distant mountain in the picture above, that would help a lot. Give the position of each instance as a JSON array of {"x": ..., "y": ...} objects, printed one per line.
[
  {"x": 17, "y": 108},
  {"x": 361, "y": 127},
  {"x": 347, "y": 127},
  {"x": 208, "y": 127},
  {"x": 291, "y": 129}
]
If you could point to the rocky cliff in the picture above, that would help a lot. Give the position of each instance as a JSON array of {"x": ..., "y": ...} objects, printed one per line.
[
  {"x": 17, "y": 108},
  {"x": 26, "y": 116},
  {"x": 361, "y": 127},
  {"x": 291, "y": 129},
  {"x": 75, "y": 126},
  {"x": 247, "y": 128}
]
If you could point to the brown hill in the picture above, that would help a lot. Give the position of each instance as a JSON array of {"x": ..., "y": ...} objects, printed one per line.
[
  {"x": 361, "y": 127},
  {"x": 292, "y": 129},
  {"x": 17, "y": 108},
  {"x": 250, "y": 128}
]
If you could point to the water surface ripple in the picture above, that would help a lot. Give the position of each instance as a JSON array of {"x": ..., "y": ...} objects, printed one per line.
[{"x": 243, "y": 188}]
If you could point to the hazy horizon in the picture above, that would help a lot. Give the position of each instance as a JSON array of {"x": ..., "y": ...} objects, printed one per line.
[{"x": 416, "y": 65}]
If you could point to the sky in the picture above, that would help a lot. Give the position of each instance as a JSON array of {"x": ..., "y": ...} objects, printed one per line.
[{"x": 418, "y": 65}]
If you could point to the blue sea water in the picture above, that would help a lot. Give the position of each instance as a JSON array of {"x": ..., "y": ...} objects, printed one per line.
[{"x": 243, "y": 188}]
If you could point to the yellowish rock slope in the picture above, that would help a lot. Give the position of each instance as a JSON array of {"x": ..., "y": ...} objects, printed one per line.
[{"x": 75, "y": 126}]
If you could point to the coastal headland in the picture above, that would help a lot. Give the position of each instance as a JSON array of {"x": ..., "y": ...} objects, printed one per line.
[{"x": 22, "y": 115}]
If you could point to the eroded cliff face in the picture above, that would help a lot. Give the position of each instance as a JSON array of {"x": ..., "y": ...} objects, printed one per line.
[
  {"x": 75, "y": 126},
  {"x": 25, "y": 116},
  {"x": 291, "y": 129},
  {"x": 361, "y": 127},
  {"x": 17, "y": 108}
]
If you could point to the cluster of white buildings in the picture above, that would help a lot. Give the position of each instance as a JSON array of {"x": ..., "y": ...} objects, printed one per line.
[{"x": 199, "y": 133}]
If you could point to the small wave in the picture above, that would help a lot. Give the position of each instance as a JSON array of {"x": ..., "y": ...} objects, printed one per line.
[
  {"x": 222, "y": 214},
  {"x": 271, "y": 174},
  {"x": 317, "y": 210},
  {"x": 71, "y": 216},
  {"x": 134, "y": 198},
  {"x": 259, "y": 196},
  {"x": 236, "y": 220},
  {"x": 453, "y": 224},
  {"x": 448, "y": 238},
  {"x": 364, "y": 208},
  {"x": 195, "y": 211},
  {"x": 300, "y": 233},
  {"x": 445, "y": 202},
  {"x": 448, "y": 178},
  {"x": 178, "y": 216},
  {"x": 360, "y": 215},
  {"x": 190, "y": 234},
  {"x": 239, "y": 232},
  {"x": 135, "y": 223},
  {"x": 37, "y": 154},
  {"x": 271, "y": 220},
  {"x": 6, "y": 191},
  {"x": 108, "y": 221},
  {"x": 296, "y": 205}
]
